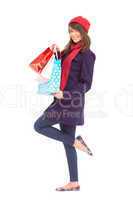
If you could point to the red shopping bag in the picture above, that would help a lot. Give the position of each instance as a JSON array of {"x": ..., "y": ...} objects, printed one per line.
[{"x": 41, "y": 60}]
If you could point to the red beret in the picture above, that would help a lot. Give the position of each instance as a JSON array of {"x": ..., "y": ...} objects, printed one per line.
[{"x": 82, "y": 21}]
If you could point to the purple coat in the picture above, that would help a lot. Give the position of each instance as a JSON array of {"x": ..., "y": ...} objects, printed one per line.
[{"x": 70, "y": 109}]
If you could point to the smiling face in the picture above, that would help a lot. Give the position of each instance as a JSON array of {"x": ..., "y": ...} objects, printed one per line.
[
  {"x": 74, "y": 34},
  {"x": 77, "y": 34}
]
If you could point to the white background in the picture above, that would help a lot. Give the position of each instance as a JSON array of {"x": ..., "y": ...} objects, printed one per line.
[{"x": 31, "y": 165}]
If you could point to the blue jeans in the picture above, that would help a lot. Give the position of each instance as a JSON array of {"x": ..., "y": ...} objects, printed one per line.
[{"x": 66, "y": 134}]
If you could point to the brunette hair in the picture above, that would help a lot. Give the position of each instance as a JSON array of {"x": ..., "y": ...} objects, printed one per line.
[{"x": 85, "y": 41}]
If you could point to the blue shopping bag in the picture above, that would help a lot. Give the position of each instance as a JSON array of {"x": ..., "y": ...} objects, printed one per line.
[{"x": 53, "y": 84}]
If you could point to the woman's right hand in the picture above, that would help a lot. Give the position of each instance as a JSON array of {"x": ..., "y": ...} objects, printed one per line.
[{"x": 54, "y": 48}]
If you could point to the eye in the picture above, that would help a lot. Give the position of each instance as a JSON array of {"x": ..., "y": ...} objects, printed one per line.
[{"x": 70, "y": 31}]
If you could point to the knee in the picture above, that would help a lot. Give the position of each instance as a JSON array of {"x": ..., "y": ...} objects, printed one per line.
[
  {"x": 36, "y": 126},
  {"x": 40, "y": 124}
]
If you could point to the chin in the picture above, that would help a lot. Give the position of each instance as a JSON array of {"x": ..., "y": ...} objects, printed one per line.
[{"x": 75, "y": 41}]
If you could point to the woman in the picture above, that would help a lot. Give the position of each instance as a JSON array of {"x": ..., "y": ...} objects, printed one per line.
[{"x": 67, "y": 108}]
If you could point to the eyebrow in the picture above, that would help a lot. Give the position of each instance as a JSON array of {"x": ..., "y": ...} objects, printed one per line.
[{"x": 70, "y": 29}]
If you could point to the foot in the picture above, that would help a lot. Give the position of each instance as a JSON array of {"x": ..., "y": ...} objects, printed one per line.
[
  {"x": 71, "y": 186},
  {"x": 81, "y": 145},
  {"x": 77, "y": 144}
]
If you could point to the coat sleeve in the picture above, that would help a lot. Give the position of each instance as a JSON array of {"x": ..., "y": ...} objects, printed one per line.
[{"x": 86, "y": 75}]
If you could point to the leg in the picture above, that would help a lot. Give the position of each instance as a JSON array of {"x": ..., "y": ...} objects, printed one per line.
[
  {"x": 44, "y": 126},
  {"x": 71, "y": 152}
]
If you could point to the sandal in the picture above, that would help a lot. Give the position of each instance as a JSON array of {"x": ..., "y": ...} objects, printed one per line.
[
  {"x": 68, "y": 189},
  {"x": 82, "y": 141}
]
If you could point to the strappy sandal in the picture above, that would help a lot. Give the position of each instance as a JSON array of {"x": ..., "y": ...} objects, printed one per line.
[
  {"x": 60, "y": 189},
  {"x": 82, "y": 141}
]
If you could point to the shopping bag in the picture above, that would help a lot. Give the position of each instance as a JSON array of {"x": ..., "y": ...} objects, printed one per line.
[
  {"x": 47, "y": 70},
  {"x": 39, "y": 63},
  {"x": 53, "y": 84}
]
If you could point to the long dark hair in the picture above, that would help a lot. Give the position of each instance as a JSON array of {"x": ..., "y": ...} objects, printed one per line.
[{"x": 85, "y": 41}]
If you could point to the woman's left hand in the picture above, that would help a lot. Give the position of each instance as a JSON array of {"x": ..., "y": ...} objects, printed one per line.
[{"x": 58, "y": 95}]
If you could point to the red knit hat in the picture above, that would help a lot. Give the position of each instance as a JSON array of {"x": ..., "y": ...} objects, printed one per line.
[{"x": 82, "y": 21}]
